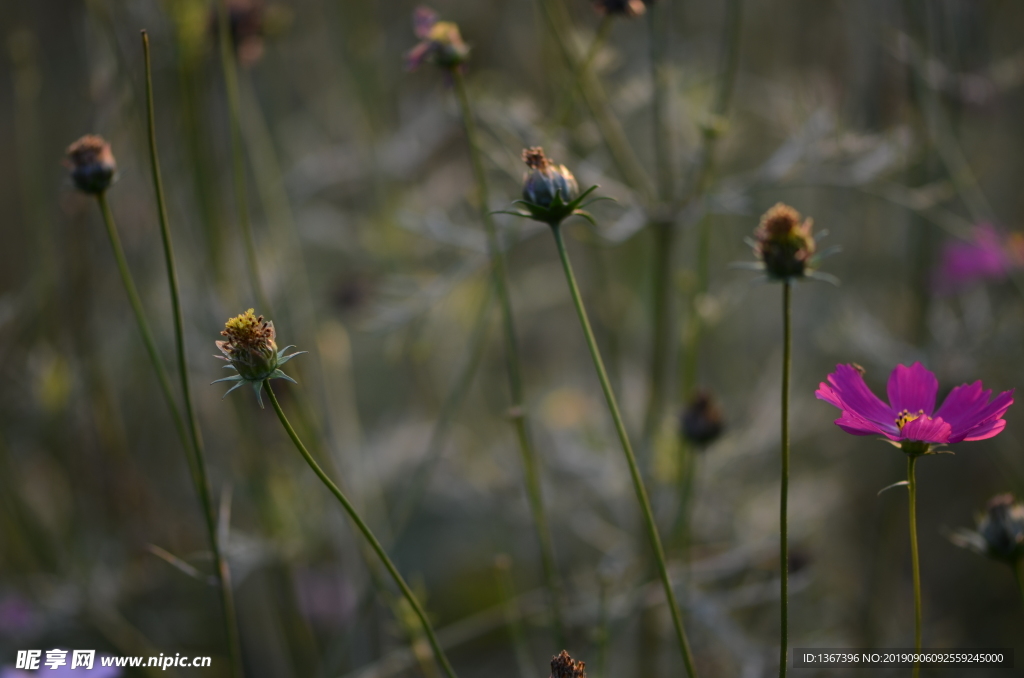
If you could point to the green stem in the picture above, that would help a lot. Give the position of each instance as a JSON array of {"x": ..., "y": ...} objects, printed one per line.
[
  {"x": 439, "y": 654},
  {"x": 201, "y": 478},
  {"x": 627, "y": 448},
  {"x": 914, "y": 557},
  {"x": 147, "y": 334},
  {"x": 600, "y": 38},
  {"x": 517, "y": 410},
  {"x": 230, "y": 66},
  {"x": 787, "y": 361}
]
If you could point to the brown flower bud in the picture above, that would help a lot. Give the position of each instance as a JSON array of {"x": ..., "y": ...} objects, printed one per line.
[
  {"x": 783, "y": 243},
  {"x": 92, "y": 164},
  {"x": 564, "y": 666},
  {"x": 701, "y": 421}
]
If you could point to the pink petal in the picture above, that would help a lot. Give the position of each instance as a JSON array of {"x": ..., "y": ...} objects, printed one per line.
[
  {"x": 913, "y": 389},
  {"x": 859, "y": 426},
  {"x": 987, "y": 430},
  {"x": 963, "y": 403},
  {"x": 423, "y": 19},
  {"x": 980, "y": 420},
  {"x": 927, "y": 430},
  {"x": 847, "y": 391}
]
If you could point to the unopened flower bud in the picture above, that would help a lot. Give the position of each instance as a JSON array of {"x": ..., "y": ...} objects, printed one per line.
[
  {"x": 251, "y": 350},
  {"x": 783, "y": 243},
  {"x": 92, "y": 164},
  {"x": 544, "y": 180},
  {"x": 440, "y": 43},
  {"x": 627, "y": 8},
  {"x": 1002, "y": 528},
  {"x": 701, "y": 421},
  {"x": 564, "y": 666}
]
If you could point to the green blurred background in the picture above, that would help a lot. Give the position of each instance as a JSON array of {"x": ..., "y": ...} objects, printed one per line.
[{"x": 895, "y": 125}]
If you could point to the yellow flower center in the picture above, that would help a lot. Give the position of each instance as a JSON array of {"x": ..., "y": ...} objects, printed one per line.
[{"x": 906, "y": 417}]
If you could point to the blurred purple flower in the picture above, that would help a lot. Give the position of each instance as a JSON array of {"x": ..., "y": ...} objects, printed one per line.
[
  {"x": 440, "y": 43},
  {"x": 989, "y": 255},
  {"x": 910, "y": 415},
  {"x": 17, "y": 615}
]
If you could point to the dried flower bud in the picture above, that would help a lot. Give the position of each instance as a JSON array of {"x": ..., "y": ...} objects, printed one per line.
[
  {"x": 564, "y": 666},
  {"x": 251, "y": 350},
  {"x": 1002, "y": 528},
  {"x": 783, "y": 243},
  {"x": 440, "y": 43},
  {"x": 245, "y": 28},
  {"x": 701, "y": 421},
  {"x": 92, "y": 164},
  {"x": 627, "y": 8},
  {"x": 544, "y": 180}
]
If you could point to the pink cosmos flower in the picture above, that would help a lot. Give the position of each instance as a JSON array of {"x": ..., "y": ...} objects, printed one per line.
[{"x": 966, "y": 414}]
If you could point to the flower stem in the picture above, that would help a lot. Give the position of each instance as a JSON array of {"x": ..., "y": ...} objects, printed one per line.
[
  {"x": 200, "y": 477},
  {"x": 787, "y": 358},
  {"x": 627, "y": 448},
  {"x": 517, "y": 411},
  {"x": 1016, "y": 566},
  {"x": 439, "y": 654},
  {"x": 147, "y": 334},
  {"x": 914, "y": 558},
  {"x": 230, "y": 68}
]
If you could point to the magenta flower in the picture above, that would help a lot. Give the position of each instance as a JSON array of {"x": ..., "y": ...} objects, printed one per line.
[
  {"x": 989, "y": 255},
  {"x": 910, "y": 416},
  {"x": 440, "y": 42}
]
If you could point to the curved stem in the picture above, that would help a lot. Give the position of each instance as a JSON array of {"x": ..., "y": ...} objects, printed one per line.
[
  {"x": 147, "y": 334},
  {"x": 627, "y": 448},
  {"x": 914, "y": 558},
  {"x": 787, "y": 357},
  {"x": 202, "y": 483},
  {"x": 229, "y": 66},
  {"x": 439, "y": 654},
  {"x": 517, "y": 411}
]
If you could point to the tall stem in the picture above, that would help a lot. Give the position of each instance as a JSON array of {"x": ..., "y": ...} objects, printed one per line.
[
  {"x": 513, "y": 364},
  {"x": 915, "y": 562},
  {"x": 787, "y": 350},
  {"x": 439, "y": 654},
  {"x": 200, "y": 476},
  {"x": 230, "y": 68},
  {"x": 627, "y": 448},
  {"x": 147, "y": 334}
]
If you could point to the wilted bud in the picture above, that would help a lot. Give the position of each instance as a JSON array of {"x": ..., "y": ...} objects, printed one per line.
[
  {"x": 92, "y": 164},
  {"x": 440, "y": 43},
  {"x": 251, "y": 350},
  {"x": 627, "y": 8},
  {"x": 701, "y": 421},
  {"x": 783, "y": 243},
  {"x": 545, "y": 180},
  {"x": 564, "y": 666}
]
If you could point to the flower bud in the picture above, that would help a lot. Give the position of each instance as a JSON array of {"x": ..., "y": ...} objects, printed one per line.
[
  {"x": 564, "y": 666},
  {"x": 92, "y": 164},
  {"x": 251, "y": 350},
  {"x": 783, "y": 243},
  {"x": 545, "y": 180},
  {"x": 440, "y": 43},
  {"x": 627, "y": 8},
  {"x": 701, "y": 421},
  {"x": 245, "y": 28},
  {"x": 1002, "y": 528}
]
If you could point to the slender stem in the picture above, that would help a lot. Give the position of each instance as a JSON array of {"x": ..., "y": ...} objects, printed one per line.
[
  {"x": 517, "y": 411},
  {"x": 230, "y": 66},
  {"x": 147, "y": 334},
  {"x": 627, "y": 448},
  {"x": 439, "y": 654},
  {"x": 914, "y": 557},
  {"x": 200, "y": 476},
  {"x": 600, "y": 38},
  {"x": 787, "y": 359}
]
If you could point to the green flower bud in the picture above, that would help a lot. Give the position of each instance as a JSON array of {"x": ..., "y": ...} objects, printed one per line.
[
  {"x": 92, "y": 164},
  {"x": 545, "y": 180},
  {"x": 251, "y": 350},
  {"x": 783, "y": 243}
]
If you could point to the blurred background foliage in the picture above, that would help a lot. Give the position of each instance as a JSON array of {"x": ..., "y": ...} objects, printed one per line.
[{"x": 895, "y": 125}]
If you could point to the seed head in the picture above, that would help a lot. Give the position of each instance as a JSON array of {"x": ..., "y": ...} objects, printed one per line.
[
  {"x": 783, "y": 243},
  {"x": 564, "y": 666},
  {"x": 440, "y": 43},
  {"x": 544, "y": 180},
  {"x": 251, "y": 350},
  {"x": 701, "y": 421},
  {"x": 92, "y": 164}
]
